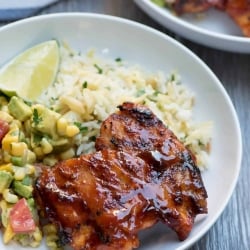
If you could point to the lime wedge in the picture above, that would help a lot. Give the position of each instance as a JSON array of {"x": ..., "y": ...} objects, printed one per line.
[{"x": 31, "y": 72}]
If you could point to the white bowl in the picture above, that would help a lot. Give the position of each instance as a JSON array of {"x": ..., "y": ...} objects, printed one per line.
[{"x": 134, "y": 42}]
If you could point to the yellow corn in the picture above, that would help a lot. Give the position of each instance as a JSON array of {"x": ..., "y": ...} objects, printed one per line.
[
  {"x": 72, "y": 130},
  {"x": 49, "y": 229},
  {"x": 9, "y": 197},
  {"x": 14, "y": 129},
  {"x": 34, "y": 244},
  {"x": 8, "y": 234},
  {"x": 6, "y": 167},
  {"x": 30, "y": 169},
  {"x": 6, "y": 117},
  {"x": 4, "y": 212},
  {"x": 31, "y": 157},
  {"x": 27, "y": 126},
  {"x": 61, "y": 126},
  {"x": 16, "y": 123},
  {"x": 5, "y": 108},
  {"x": 46, "y": 146},
  {"x": 51, "y": 241},
  {"x": 19, "y": 173},
  {"x": 6, "y": 157},
  {"x": 3, "y": 101},
  {"x": 50, "y": 160},
  {"x": 38, "y": 151},
  {"x": 18, "y": 148},
  {"x": 37, "y": 235},
  {"x": 8, "y": 140},
  {"x": 67, "y": 154}
]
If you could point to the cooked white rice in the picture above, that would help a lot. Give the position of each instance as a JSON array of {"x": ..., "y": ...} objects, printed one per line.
[{"x": 89, "y": 88}]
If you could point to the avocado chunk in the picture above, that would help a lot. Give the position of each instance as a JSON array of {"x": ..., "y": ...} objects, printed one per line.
[
  {"x": 18, "y": 160},
  {"x": 44, "y": 120},
  {"x": 22, "y": 190},
  {"x": 5, "y": 180},
  {"x": 19, "y": 109},
  {"x": 61, "y": 144}
]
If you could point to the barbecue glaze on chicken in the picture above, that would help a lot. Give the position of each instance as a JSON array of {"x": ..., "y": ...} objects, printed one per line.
[{"x": 140, "y": 174}]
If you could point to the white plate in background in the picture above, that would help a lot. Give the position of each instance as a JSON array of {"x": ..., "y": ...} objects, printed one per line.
[
  {"x": 115, "y": 37},
  {"x": 16, "y": 9},
  {"x": 215, "y": 29}
]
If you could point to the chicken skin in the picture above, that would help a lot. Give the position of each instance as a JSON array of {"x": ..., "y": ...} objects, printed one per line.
[{"x": 139, "y": 175}]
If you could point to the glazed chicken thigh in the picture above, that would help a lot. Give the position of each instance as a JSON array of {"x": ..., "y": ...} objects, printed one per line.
[
  {"x": 137, "y": 130},
  {"x": 140, "y": 174}
]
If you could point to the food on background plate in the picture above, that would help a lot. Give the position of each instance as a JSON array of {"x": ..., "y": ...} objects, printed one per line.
[
  {"x": 238, "y": 10},
  {"x": 140, "y": 174},
  {"x": 65, "y": 120}
]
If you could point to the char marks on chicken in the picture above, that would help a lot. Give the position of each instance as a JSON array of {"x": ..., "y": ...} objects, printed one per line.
[{"x": 139, "y": 175}]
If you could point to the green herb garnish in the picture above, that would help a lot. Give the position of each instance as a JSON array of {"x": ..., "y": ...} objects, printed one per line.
[
  {"x": 118, "y": 59},
  {"x": 92, "y": 138},
  {"x": 28, "y": 103},
  {"x": 140, "y": 92},
  {"x": 98, "y": 68},
  {"x": 36, "y": 117},
  {"x": 81, "y": 127},
  {"x": 85, "y": 85}
]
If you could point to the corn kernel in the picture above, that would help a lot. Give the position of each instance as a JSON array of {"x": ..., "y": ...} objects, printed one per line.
[
  {"x": 4, "y": 212},
  {"x": 19, "y": 173},
  {"x": 37, "y": 235},
  {"x": 16, "y": 123},
  {"x": 6, "y": 167},
  {"x": 3, "y": 101},
  {"x": 6, "y": 117},
  {"x": 50, "y": 160},
  {"x": 18, "y": 148},
  {"x": 67, "y": 154},
  {"x": 31, "y": 157},
  {"x": 27, "y": 126},
  {"x": 6, "y": 157},
  {"x": 51, "y": 240},
  {"x": 9, "y": 197},
  {"x": 8, "y": 234},
  {"x": 49, "y": 229},
  {"x": 38, "y": 151},
  {"x": 8, "y": 140},
  {"x": 72, "y": 130},
  {"x": 34, "y": 244},
  {"x": 4, "y": 108},
  {"x": 61, "y": 126},
  {"x": 30, "y": 169},
  {"x": 46, "y": 146}
]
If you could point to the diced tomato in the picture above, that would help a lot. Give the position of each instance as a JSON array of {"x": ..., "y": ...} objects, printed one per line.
[
  {"x": 4, "y": 128},
  {"x": 21, "y": 220}
]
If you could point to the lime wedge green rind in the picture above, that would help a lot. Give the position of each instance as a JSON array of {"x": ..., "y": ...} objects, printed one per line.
[{"x": 32, "y": 71}]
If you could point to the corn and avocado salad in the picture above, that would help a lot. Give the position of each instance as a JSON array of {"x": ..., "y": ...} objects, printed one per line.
[{"x": 29, "y": 133}]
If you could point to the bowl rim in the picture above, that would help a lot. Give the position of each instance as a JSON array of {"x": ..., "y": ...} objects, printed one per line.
[{"x": 200, "y": 35}]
